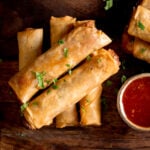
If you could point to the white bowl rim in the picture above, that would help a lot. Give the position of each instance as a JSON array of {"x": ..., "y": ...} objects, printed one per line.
[{"x": 120, "y": 104}]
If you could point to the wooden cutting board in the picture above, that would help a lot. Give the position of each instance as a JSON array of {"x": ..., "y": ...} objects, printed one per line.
[{"x": 114, "y": 133}]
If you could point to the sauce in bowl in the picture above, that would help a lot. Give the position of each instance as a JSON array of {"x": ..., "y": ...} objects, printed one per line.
[{"x": 133, "y": 101}]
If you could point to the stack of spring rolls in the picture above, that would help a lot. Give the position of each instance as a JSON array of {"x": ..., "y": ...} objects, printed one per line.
[
  {"x": 71, "y": 71},
  {"x": 136, "y": 38}
]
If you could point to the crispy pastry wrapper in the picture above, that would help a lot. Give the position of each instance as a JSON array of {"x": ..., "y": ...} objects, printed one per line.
[
  {"x": 69, "y": 117},
  {"x": 140, "y": 24},
  {"x": 71, "y": 88},
  {"x": 59, "y": 27},
  {"x": 30, "y": 45},
  {"x": 141, "y": 50},
  {"x": 90, "y": 108},
  {"x": 78, "y": 44}
]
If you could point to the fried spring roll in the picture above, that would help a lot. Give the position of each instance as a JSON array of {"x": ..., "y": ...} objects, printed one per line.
[
  {"x": 30, "y": 45},
  {"x": 141, "y": 50},
  {"x": 58, "y": 28},
  {"x": 71, "y": 88},
  {"x": 90, "y": 108},
  {"x": 78, "y": 44},
  {"x": 140, "y": 24}
]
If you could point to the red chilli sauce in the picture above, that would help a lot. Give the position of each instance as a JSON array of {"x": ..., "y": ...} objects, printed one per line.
[{"x": 136, "y": 101}]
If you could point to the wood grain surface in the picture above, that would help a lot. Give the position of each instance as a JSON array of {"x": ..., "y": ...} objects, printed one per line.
[{"x": 114, "y": 133}]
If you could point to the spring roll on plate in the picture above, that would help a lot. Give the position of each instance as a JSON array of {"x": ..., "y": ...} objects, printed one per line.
[
  {"x": 59, "y": 27},
  {"x": 78, "y": 44},
  {"x": 30, "y": 45},
  {"x": 71, "y": 89}
]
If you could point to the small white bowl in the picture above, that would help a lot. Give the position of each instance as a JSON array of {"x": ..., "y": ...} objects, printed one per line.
[{"x": 120, "y": 105}]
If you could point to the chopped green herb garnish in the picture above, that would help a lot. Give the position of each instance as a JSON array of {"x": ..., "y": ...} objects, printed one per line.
[
  {"x": 99, "y": 60},
  {"x": 142, "y": 50},
  {"x": 69, "y": 71},
  {"x": 54, "y": 86},
  {"x": 39, "y": 76},
  {"x": 108, "y": 83},
  {"x": 123, "y": 78},
  {"x": 60, "y": 42},
  {"x": 55, "y": 80},
  {"x": 35, "y": 103},
  {"x": 108, "y": 5},
  {"x": 88, "y": 58},
  {"x": 23, "y": 107},
  {"x": 68, "y": 65},
  {"x": 123, "y": 65},
  {"x": 66, "y": 52},
  {"x": 83, "y": 109},
  {"x": 140, "y": 25},
  {"x": 88, "y": 100},
  {"x": 48, "y": 91},
  {"x": 48, "y": 82}
]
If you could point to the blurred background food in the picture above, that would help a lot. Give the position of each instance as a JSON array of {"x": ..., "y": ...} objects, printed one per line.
[{"x": 16, "y": 15}]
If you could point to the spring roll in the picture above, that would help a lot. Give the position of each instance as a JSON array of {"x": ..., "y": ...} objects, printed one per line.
[
  {"x": 90, "y": 108},
  {"x": 78, "y": 44},
  {"x": 71, "y": 88},
  {"x": 30, "y": 45},
  {"x": 58, "y": 28},
  {"x": 137, "y": 47},
  {"x": 140, "y": 24},
  {"x": 141, "y": 50}
]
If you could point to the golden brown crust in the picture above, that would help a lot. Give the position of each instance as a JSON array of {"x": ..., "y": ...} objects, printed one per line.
[
  {"x": 90, "y": 108},
  {"x": 91, "y": 73},
  {"x": 80, "y": 42},
  {"x": 140, "y": 24},
  {"x": 30, "y": 45}
]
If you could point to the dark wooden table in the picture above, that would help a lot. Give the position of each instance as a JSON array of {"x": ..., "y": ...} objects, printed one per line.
[{"x": 114, "y": 133}]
